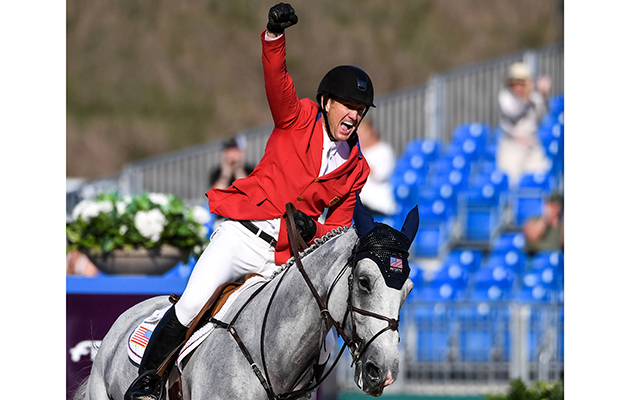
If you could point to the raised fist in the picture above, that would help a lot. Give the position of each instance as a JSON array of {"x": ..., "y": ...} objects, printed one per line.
[{"x": 281, "y": 16}]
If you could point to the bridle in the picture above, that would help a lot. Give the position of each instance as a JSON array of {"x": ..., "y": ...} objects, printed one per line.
[{"x": 356, "y": 345}]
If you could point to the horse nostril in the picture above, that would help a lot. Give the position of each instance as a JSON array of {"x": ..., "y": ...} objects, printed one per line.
[{"x": 372, "y": 372}]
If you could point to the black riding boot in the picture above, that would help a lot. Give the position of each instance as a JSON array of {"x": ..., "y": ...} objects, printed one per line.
[{"x": 166, "y": 337}]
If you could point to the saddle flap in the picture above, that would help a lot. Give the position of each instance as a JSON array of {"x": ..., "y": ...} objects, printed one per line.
[{"x": 138, "y": 340}]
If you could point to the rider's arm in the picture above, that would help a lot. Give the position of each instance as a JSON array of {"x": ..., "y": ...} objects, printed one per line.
[{"x": 281, "y": 96}]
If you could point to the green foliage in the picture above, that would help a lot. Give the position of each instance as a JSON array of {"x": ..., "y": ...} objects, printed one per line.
[
  {"x": 148, "y": 220},
  {"x": 538, "y": 391}
]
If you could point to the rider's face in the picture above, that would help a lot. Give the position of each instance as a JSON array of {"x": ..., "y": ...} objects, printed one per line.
[{"x": 343, "y": 117}]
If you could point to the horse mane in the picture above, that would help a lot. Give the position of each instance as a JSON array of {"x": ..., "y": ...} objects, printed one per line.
[{"x": 317, "y": 243}]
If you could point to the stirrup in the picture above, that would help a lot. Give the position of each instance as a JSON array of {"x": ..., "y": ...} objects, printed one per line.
[{"x": 147, "y": 386}]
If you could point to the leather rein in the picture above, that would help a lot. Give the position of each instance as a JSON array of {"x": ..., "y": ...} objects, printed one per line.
[{"x": 355, "y": 344}]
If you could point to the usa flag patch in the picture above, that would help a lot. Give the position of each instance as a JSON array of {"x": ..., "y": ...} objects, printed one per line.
[
  {"x": 138, "y": 340},
  {"x": 141, "y": 336},
  {"x": 395, "y": 264}
]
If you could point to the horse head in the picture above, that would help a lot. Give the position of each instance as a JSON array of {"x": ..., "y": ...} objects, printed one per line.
[{"x": 379, "y": 284}]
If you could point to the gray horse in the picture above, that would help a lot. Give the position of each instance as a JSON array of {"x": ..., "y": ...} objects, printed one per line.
[{"x": 282, "y": 326}]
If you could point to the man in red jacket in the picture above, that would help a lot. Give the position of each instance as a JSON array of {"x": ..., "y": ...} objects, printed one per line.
[{"x": 312, "y": 159}]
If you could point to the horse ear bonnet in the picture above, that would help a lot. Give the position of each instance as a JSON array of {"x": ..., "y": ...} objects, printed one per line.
[{"x": 388, "y": 248}]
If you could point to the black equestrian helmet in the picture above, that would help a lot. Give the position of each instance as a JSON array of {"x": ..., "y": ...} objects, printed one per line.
[{"x": 348, "y": 83}]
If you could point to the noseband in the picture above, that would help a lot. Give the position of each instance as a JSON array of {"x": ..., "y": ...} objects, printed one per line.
[{"x": 356, "y": 345}]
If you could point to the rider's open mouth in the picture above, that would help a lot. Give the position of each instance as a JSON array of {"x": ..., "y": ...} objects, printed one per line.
[{"x": 348, "y": 125}]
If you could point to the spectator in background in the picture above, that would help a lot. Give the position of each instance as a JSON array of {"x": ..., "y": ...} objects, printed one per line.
[
  {"x": 78, "y": 263},
  {"x": 522, "y": 107},
  {"x": 377, "y": 194},
  {"x": 232, "y": 166},
  {"x": 546, "y": 232}
]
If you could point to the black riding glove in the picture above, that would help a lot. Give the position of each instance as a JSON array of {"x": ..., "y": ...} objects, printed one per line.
[
  {"x": 305, "y": 225},
  {"x": 281, "y": 16}
]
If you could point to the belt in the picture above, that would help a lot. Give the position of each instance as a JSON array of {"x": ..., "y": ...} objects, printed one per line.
[{"x": 259, "y": 232}]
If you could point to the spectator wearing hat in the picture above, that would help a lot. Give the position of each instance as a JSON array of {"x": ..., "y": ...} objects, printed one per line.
[
  {"x": 521, "y": 108},
  {"x": 547, "y": 231},
  {"x": 232, "y": 166}
]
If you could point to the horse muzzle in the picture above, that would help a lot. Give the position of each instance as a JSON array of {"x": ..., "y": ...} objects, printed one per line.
[{"x": 372, "y": 378}]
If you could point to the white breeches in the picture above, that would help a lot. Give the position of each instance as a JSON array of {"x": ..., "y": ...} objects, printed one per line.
[{"x": 233, "y": 251}]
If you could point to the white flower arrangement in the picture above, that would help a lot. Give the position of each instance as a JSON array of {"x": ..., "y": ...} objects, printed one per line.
[
  {"x": 151, "y": 223},
  {"x": 148, "y": 220}
]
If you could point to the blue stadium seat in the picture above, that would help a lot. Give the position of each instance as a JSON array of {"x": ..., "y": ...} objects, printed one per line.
[
  {"x": 416, "y": 162},
  {"x": 493, "y": 283},
  {"x": 481, "y": 212},
  {"x": 454, "y": 274},
  {"x": 549, "y": 258},
  {"x": 482, "y": 206},
  {"x": 434, "y": 324},
  {"x": 431, "y": 239},
  {"x": 477, "y": 131},
  {"x": 448, "y": 283},
  {"x": 551, "y": 265},
  {"x": 484, "y": 332},
  {"x": 437, "y": 216},
  {"x": 556, "y": 104},
  {"x": 406, "y": 185},
  {"x": 535, "y": 288},
  {"x": 551, "y": 134},
  {"x": 468, "y": 259},
  {"x": 469, "y": 148},
  {"x": 445, "y": 164},
  {"x": 509, "y": 241},
  {"x": 528, "y": 200},
  {"x": 495, "y": 177},
  {"x": 513, "y": 259},
  {"x": 428, "y": 148},
  {"x": 528, "y": 207},
  {"x": 540, "y": 182},
  {"x": 475, "y": 327},
  {"x": 548, "y": 131}
]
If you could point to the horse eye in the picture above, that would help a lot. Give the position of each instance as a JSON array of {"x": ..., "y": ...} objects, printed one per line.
[{"x": 364, "y": 283}]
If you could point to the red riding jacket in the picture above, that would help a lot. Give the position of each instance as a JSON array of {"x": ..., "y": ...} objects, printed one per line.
[{"x": 289, "y": 169}]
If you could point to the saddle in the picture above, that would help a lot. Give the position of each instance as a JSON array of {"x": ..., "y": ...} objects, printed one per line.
[
  {"x": 214, "y": 304},
  {"x": 209, "y": 310}
]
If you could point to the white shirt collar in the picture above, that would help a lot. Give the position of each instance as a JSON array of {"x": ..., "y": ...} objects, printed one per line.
[{"x": 334, "y": 154}]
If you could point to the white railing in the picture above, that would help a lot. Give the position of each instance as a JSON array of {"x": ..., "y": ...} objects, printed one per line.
[{"x": 433, "y": 110}]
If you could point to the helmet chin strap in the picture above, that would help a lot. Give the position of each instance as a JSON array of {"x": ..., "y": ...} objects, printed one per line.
[{"x": 322, "y": 109}]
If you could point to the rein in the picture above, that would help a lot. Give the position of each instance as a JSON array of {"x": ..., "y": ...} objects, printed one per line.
[{"x": 355, "y": 345}]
